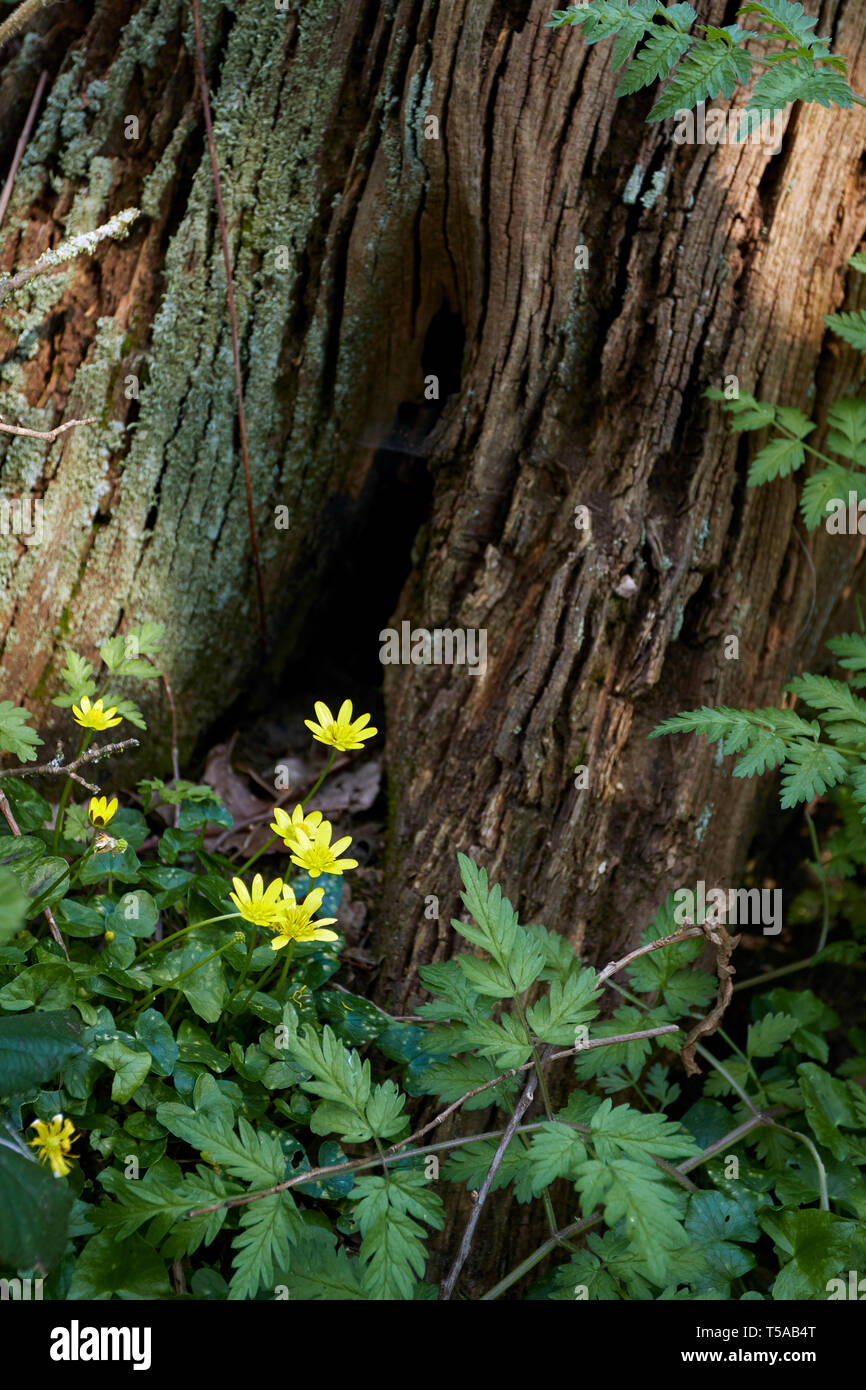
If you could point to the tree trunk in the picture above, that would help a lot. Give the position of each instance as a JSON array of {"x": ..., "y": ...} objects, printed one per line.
[{"x": 406, "y": 190}]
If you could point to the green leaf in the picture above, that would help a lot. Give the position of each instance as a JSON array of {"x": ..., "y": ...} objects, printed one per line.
[
  {"x": 787, "y": 81},
  {"x": 320, "y": 1273},
  {"x": 262, "y": 1247},
  {"x": 822, "y": 1247},
  {"x": 848, "y": 433},
  {"x": 128, "y": 1269},
  {"x": 43, "y": 883},
  {"x": 392, "y": 1245},
  {"x": 712, "y": 67},
  {"x": 34, "y": 1209},
  {"x": 811, "y": 769},
  {"x": 250, "y": 1155},
  {"x": 826, "y": 490},
  {"x": 768, "y": 1035},
  {"x": 628, "y": 1131},
  {"x": 13, "y": 905},
  {"x": 554, "y": 1018},
  {"x": 829, "y": 1105},
  {"x": 634, "y": 1192},
  {"x": 130, "y": 1068},
  {"x": 664, "y": 47},
  {"x": 556, "y": 1151},
  {"x": 787, "y": 19},
  {"x": 776, "y": 460},
  {"x": 518, "y": 957},
  {"x": 152, "y": 1030},
  {"x": 34, "y": 1046},
  {"x": 77, "y": 676},
  {"x": 15, "y": 737},
  {"x": 851, "y": 327}
]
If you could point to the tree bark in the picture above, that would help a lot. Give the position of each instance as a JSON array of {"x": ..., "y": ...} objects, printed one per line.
[{"x": 406, "y": 187}]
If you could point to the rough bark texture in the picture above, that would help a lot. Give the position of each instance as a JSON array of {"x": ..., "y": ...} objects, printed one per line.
[{"x": 371, "y": 250}]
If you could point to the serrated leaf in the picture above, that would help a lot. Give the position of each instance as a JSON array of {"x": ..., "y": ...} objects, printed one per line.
[
  {"x": 554, "y": 1017},
  {"x": 776, "y": 460},
  {"x": 849, "y": 326},
  {"x": 664, "y": 47},
  {"x": 633, "y": 1192},
  {"x": 811, "y": 769},
  {"x": 847, "y": 436},
  {"x": 637, "y": 1135},
  {"x": 392, "y": 1245},
  {"x": 15, "y": 736},
  {"x": 826, "y": 492},
  {"x": 768, "y": 1035},
  {"x": 263, "y": 1246},
  {"x": 712, "y": 67},
  {"x": 555, "y": 1151}
]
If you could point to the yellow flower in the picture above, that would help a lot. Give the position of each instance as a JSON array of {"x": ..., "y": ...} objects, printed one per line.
[
  {"x": 94, "y": 716},
  {"x": 343, "y": 732},
  {"x": 294, "y": 921},
  {"x": 262, "y": 907},
  {"x": 101, "y": 810},
  {"x": 285, "y": 826},
  {"x": 317, "y": 855},
  {"x": 53, "y": 1141}
]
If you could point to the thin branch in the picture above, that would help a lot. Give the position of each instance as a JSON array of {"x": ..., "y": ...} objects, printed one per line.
[
  {"x": 580, "y": 1226},
  {"x": 57, "y": 767},
  {"x": 80, "y": 244},
  {"x": 6, "y": 811},
  {"x": 447, "y": 1286},
  {"x": 45, "y": 434},
  {"x": 230, "y": 296},
  {"x": 20, "y": 17},
  {"x": 22, "y": 145},
  {"x": 672, "y": 940}
]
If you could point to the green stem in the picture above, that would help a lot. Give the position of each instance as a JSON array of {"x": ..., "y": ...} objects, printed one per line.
[
  {"x": 243, "y": 975},
  {"x": 258, "y": 854},
  {"x": 193, "y": 926},
  {"x": 330, "y": 764},
  {"x": 172, "y": 984},
  {"x": 821, "y": 873},
  {"x": 67, "y": 790}
]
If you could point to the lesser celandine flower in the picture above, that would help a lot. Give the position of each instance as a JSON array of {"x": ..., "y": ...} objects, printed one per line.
[
  {"x": 101, "y": 810},
  {"x": 317, "y": 855},
  {"x": 343, "y": 732},
  {"x": 295, "y": 923},
  {"x": 262, "y": 907},
  {"x": 54, "y": 1141},
  {"x": 93, "y": 716},
  {"x": 287, "y": 825}
]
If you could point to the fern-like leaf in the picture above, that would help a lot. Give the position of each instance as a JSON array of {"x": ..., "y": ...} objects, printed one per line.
[{"x": 712, "y": 67}]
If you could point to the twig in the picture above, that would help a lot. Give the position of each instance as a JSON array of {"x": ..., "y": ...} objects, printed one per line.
[
  {"x": 6, "y": 810},
  {"x": 45, "y": 434},
  {"x": 724, "y": 947},
  {"x": 57, "y": 768},
  {"x": 230, "y": 297},
  {"x": 617, "y": 965},
  {"x": 520, "y": 1109},
  {"x": 19, "y": 18},
  {"x": 78, "y": 245},
  {"x": 21, "y": 146},
  {"x": 578, "y": 1227}
]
